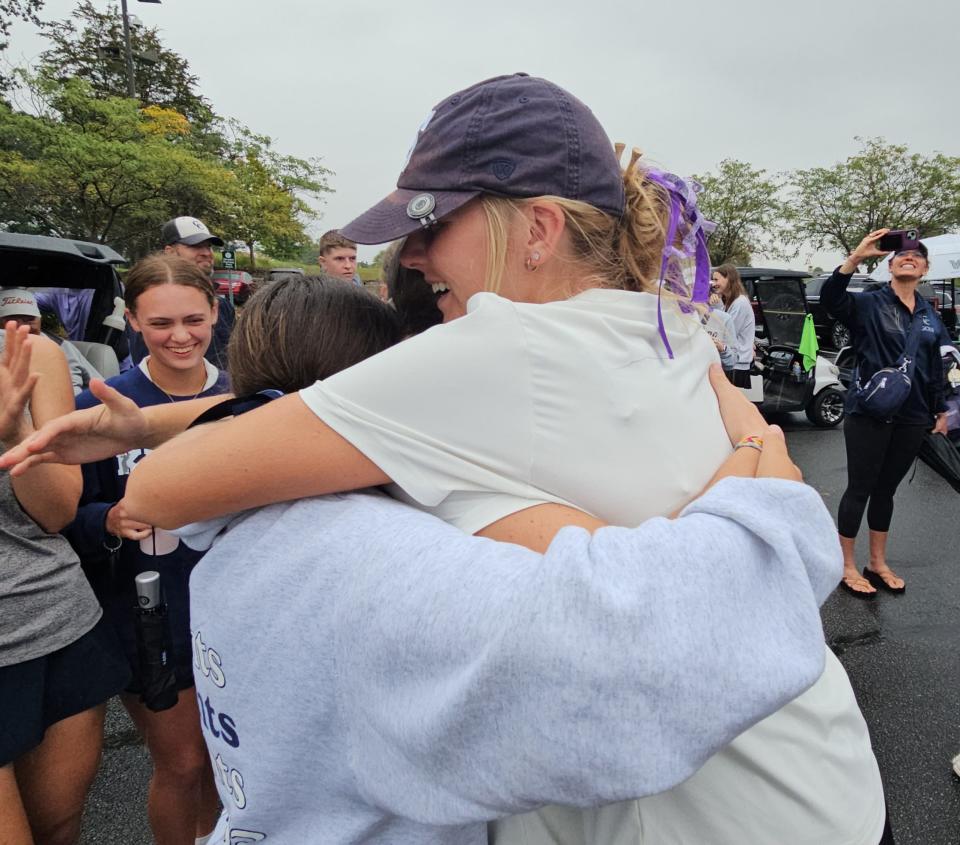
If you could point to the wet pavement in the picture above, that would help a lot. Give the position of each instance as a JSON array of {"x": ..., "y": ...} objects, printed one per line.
[{"x": 902, "y": 654}]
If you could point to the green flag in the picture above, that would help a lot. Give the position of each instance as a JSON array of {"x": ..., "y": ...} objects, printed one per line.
[{"x": 808, "y": 343}]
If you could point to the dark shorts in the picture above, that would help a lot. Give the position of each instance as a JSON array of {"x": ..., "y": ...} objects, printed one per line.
[
  {"x": 39, "y": 693},
  {"x": 117, "y": 595}
]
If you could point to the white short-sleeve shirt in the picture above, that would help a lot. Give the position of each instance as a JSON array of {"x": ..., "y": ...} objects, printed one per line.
[
  {"x": 513, "y": 404},
  {"x": 578, "y": 402}
]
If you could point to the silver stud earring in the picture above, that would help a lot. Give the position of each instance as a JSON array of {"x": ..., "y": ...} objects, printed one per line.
[{"x": 530, "y": 263}]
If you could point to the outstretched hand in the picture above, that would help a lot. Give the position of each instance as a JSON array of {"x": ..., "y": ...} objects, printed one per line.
[
  {"x": 82, "y": 436},
  {"x": 16, "y": 381}
]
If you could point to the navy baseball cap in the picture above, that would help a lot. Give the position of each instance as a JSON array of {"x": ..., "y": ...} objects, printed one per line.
[
  {"x": 921, "y": 247},
  {"x": 512, "y": 136},
  {"x": 187, "y": 230}
]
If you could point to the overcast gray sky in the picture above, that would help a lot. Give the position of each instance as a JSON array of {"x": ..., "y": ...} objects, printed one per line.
[{"x": 779, "y": 85}]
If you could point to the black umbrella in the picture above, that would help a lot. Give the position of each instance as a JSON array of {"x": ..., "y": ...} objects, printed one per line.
[
  {"x": 943, "y": 457},
  {"x": 152, "y": 627}
]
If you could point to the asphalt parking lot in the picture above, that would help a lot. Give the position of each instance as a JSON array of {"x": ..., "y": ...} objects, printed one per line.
[{"x": 901, "y": 653}]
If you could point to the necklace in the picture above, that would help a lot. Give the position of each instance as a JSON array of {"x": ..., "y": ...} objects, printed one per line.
[{"x": 156, "y": 384}]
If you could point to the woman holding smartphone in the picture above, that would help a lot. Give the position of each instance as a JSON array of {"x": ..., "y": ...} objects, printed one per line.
[{"x": 888, "y": 324}]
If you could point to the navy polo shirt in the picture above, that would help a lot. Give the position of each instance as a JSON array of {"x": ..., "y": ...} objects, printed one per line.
[{"x": 879, "y": 323}]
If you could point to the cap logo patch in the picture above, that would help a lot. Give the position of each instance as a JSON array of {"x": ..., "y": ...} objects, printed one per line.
[
  {"x": 502, "y": 168},
  {"x": 420, "y": 130},
  {"x": 421, "y": 206}
]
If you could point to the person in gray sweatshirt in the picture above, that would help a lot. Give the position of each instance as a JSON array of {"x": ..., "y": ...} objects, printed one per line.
[{"x": 387, "y": 678}]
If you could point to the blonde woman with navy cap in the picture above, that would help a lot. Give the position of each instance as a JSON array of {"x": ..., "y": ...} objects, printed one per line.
[{"x": 571, "y": 369}]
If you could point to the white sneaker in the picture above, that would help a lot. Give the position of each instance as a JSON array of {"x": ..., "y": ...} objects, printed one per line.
[{"x": 956, "y": 765}]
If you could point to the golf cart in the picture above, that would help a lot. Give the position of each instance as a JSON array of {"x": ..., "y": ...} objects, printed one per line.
[
  {"x": 77, "y": 282},
  {"x": 779, "y": 382}
]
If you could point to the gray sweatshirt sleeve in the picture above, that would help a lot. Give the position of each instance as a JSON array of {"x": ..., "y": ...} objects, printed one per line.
[{"x": 612, "y": 667}]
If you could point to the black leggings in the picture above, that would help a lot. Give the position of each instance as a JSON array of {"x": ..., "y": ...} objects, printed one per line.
[{"x": 878, "y": 457}]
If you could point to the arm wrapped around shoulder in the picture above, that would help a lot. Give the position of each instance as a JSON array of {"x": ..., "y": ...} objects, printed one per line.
[{"x": 486, "y": 680}]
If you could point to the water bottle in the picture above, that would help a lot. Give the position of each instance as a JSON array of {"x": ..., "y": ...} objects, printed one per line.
[{"x": 797, "y": 372}]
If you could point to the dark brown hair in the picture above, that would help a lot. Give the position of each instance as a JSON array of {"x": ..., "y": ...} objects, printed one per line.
[
  {"x": 333, "y": 240},
  {"x": 164, "y": 269},
  {"x": 298, "y": 329},
  {"x": 735, "y": 286},
  {"x": 409, "y": 293}
]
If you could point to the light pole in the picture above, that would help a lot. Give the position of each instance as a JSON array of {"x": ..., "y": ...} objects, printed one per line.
[{"x": 127, "y": 51}]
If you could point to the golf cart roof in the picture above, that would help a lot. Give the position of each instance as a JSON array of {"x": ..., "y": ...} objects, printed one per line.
[
  {"x": 770, "y": 273},
  {"x": 39, "y": 261}
]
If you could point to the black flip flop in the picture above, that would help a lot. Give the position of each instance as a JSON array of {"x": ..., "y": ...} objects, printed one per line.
[
  {"x": 858, "y": 593},
  {"x": 878, "y": 582}
]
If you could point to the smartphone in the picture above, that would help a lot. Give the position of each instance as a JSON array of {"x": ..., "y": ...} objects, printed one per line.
[{"x": 897, "y": 240}]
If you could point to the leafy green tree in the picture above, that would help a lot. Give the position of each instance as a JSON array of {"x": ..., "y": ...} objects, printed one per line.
[
  {"x": 100, "y": 169},
  {"x": 883, "y": 185},
  {"x": 80, "y": 159},
  {"x": 89, "y": 46},
  {"x": 309, "y": 252},
  {"x": 744, "y": 204},
  {"x": 11, "y": 10},
  {"x": 267, "y": 205}
]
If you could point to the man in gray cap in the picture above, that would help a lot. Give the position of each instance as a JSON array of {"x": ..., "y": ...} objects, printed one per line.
[{"x": 190, "y": 239}]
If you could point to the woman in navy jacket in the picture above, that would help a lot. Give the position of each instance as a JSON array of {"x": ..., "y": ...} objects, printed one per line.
[{"x": 880, "y": 451}]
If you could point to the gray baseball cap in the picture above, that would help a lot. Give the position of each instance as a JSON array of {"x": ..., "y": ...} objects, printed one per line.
[
  {"x": 17, "y": 302},
  {"x": 514, "y": 136},
  {"x": 187, "y": 230}
]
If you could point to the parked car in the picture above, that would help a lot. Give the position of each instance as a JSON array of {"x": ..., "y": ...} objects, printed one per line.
[
  {"x": 280, "y": 272},
  {"x": 834, "y": 334},
  {"x": 750, "y": 275},
  {"x": 77, "y": 282},
  {"x": 239, "y": 282},
  {"x": 948, "y": 294}
]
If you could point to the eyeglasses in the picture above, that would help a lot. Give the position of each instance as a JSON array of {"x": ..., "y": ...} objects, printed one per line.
[{"x": 911, "y": 253}]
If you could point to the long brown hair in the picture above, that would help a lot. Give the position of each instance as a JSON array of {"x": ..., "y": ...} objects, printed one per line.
[
  {"x": 735, "y": 286},
  {"x": 164, "y": 269}
]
